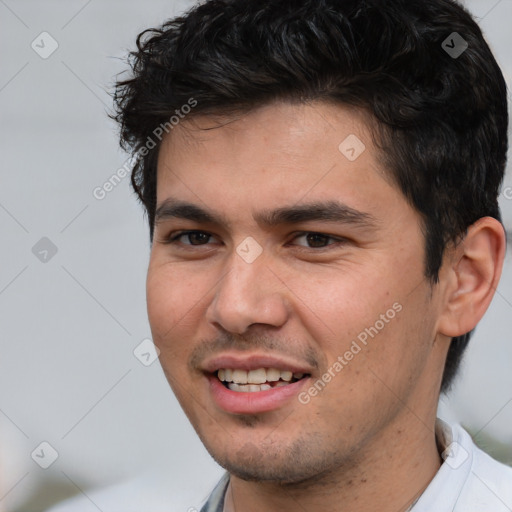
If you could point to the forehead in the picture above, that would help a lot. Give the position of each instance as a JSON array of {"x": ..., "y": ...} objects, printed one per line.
[
  {"x": 278, "y": 154},
  {"x": 294, "y": 130}
]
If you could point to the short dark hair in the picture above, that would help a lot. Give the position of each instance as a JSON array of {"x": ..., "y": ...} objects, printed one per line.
[{"x": 441, "y": 115}]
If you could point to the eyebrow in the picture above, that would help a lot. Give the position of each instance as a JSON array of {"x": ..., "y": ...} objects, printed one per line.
[{"x": 327, "y": 211}]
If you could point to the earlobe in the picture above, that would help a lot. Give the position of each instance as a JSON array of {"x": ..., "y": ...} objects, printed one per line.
[{"x": 473, "y": 277}]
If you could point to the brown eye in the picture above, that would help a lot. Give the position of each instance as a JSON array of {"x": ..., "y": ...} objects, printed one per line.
[
  {"x": 193, "y": 237},
  {"x": 316, "y": 240},
  {"x": 198, "y": 238}
]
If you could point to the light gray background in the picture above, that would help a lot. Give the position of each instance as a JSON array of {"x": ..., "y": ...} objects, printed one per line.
[{"x": 68, "y": 375}]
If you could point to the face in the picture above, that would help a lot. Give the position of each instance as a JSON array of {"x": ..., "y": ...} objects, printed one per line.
[{"x": 286, "y": 290}]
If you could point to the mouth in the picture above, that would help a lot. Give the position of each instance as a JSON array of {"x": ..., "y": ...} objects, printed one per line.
[
  {"x": 257, "y": 380},
  {"x": 241, "y": 383}
]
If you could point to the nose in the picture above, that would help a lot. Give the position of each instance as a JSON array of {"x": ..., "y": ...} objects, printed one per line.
[{"x": 248, "y": 294}]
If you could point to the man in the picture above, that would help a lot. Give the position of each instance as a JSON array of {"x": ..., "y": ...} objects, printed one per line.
[{"x": 321, "y": 182}]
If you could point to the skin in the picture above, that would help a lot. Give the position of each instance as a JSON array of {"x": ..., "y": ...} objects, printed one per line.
[{"x": 367, "y": 437}]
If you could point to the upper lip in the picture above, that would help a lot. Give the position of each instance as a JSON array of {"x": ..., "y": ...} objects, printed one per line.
[{"x": 252, "y": 362}]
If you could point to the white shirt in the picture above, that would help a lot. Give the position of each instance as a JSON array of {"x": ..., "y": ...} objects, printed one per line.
[{"x": 468, "y": 480}]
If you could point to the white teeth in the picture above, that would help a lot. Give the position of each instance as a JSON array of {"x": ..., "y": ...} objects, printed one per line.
[
  {"x": 273, "y": 375},
  {"x": 256, "y": 380},
  {"x": 248, "y": 388},
  {"x": 257, "y": 376},
  {"x": 240, "y": 376},
  {"x": 287, "y": 376}
]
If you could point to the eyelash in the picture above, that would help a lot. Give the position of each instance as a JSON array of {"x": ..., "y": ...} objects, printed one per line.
[{"x": 173, "y": 238}]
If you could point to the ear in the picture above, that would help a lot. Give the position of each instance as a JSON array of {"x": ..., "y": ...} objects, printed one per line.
[{"x": 473, "y": 273}]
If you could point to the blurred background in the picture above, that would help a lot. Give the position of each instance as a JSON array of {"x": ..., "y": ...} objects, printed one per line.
[{"x": 85, "y": 410}]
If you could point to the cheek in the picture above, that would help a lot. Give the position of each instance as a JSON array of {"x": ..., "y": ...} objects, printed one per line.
[
  {"x": 343, "y": 302},
  {"x": 173, "y": 300},
  {"x": 160, "y": 298},
  {"x": 368, "y": 320},
  {"x": 170, "y": 304}
]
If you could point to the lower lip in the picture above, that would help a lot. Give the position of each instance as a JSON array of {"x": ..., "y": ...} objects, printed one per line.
[{"x": 240, "y": 402}]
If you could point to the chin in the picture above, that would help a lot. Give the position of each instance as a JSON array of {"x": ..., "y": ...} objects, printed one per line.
[{"x": 295, "y": 464}]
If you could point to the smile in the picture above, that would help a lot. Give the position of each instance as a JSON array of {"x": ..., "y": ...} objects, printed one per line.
[{"x": 261, "y": 379}]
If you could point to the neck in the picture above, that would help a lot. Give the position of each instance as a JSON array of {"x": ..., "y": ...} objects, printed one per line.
[{"x": 393, "y": 471}]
